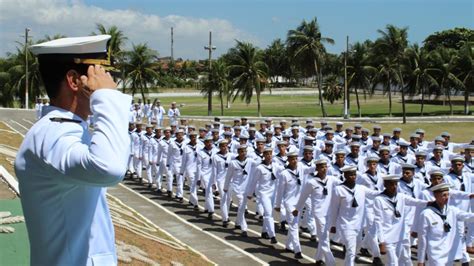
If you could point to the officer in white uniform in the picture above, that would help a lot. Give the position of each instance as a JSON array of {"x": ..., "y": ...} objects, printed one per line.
[
  {"x": 63, "y": 169},
  {"x": 162, "y": 159},
  {"x": 438, "y": 233},
  {"x": 175, "y": 158},
  {"x": 189, "y": 168},
  {"x": 204, "y": 165},
  {"x": 220, "y": 163},
  {"x": 147, "y": 153}
]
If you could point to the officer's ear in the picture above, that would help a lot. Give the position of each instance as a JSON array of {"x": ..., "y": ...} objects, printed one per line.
[{"x": 73, "y": 80}]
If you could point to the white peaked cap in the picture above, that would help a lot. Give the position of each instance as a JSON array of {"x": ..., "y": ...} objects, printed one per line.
[{"x": 73, "y": 45}]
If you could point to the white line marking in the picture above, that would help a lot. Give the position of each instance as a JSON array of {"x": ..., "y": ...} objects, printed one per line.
[
  {"x": 19, "y": 125},
  {"x": 28, "y": 121},
  {"x": 196, "y": 227},
  {"x": 16, "y": 131},
  {"x": 8, "y": 131}
]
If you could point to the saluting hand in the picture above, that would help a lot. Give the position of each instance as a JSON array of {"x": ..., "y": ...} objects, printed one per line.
[{"x": 97, "y": 78}]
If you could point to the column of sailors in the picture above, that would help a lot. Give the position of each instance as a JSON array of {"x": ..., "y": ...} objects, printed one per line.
[{"x": 372, "y": 192}]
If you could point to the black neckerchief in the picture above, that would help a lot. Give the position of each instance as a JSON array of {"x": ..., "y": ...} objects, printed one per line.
[
  {"x": 396, "y": 213},
  {"x": 149, "y": 136},
  {"x": 386, "y": 168},
  {"x": 269, "y": 169},
  {"x": 411, "y": 188},
  {"x": 436, "y": 209},
  {"x": 242, "y": 165},
  {"x": 208, "y": 154},
  {"x": 401, "y": 157},
  {"x": 323, "y": 184},
  {"x": 193, "y": 148},
  {"x": 460, "y": 179},
  {"x": 352, "y": 192},
  {"x": 306, "y": 162},
  {"x": 224, "y": 157},
  {"x": 179, "y": 144},
  {"x": 369, "y": 175},
  {"x": 297, "y": 175},
  {"x": 167, "y": 141},
  {"x": 433, "y": 159}
]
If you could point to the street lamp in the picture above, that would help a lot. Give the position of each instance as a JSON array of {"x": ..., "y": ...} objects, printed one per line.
[
  {"x": 26, "y": 67},
  {"x": 210, "y": 48}
]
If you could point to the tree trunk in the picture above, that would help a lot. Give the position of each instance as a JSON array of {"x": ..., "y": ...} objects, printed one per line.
[
  {"x": 258, "y": 103},
  {"x": 448, "y": 94},
  {"x": 209, "y": 102},
  {"x": 222, "y": 103},
  {"x": 321, "y": 103},
  {"x": 466, "y": 100},
  {"x": 422, "y": 100},
  {"x": 403, "y": 96},
  {"x": 358, "y": 103}
]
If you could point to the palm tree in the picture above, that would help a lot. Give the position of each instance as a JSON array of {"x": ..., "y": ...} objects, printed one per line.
[
  {"x": 307, "y": 44},
  {"x": 275, "y": 58},
  {"x": 217, "y": 81},
  {"x": 140, "y": 68},
  {"x": 248, "y": 72},
  {"x": 419, "y": 73},
  {"x": 465, "y": 69},
  {"x": 360, "y": 73},
  {"x": 332, "y": 88},
  {"x": 444, "y": 60},
  {"x": 392, "y": 44},
  {"x": 384, "y": 76}
]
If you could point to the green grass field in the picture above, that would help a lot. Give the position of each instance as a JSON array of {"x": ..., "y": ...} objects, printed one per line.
[{"x": 304, "y": 106}]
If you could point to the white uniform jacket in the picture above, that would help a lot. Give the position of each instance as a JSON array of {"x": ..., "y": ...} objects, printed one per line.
[{"x": 62, "y": 171}]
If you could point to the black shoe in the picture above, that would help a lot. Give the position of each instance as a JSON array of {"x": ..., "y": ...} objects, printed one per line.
[
  {"x": 170, "y": 194},
  {"x": 206, "y": 211},
  {"x": 283, "y": 226},
  {"x": 209, "y": 215},
  {"x": 273, "y": 240},
  {"x": 158, "y": 191},
  {"x": 246, "y": 212},
  {"x": 196, "y": 207},
  {"x": 180, "y": 199},
  {"x": 304, "y": 229},
  {"x": 237, "y": 227},
  {"x": 364, "y": 252},
  {"x": 260, "y": 218},
  {"x": 377, "y": 261},
  {"x": 244, "y": 234},
  {"x": 298, "y": 255},
  {"x": 149, "y": 186},
  {"x": 320, "y": 263},
  {"x": 344, "y": 250},
  {"x": 265, "y": 235},
  {"x": 225, "y": 224},
  {"x": 312, "y": 238}
]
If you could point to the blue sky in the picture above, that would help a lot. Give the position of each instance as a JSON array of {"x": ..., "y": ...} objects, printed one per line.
[{"x": 257, "y": 21}]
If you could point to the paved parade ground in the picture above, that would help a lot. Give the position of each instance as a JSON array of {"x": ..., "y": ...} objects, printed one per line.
[{"x": 223, "y": 246}]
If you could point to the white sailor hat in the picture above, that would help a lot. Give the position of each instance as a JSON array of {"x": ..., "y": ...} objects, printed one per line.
[
  {"x": 372, "y": 159},
  {"x": 268, "y": 132},
  {"x": 439, "y": 138},
  {"x": 263, "y": 122},
  {"x": 308, "y": 138},
  {"x": 149, "y": 126},
  {"x": 397, "y": 129},
  {"x": 457, "y": 158},
  {"x": 436, "y": 172},
  {"x": 391, "y": 178},
  {"x": 415, "y": 135},
  {"x": 180, "y": 131},
  {"x": 158, "y": 128},
  {"x": 445, "y": 134},
  {"x": 281, "y": 142},
  {"x": 355, "y": 136},
  {"x": 440, "y": 187},
  {"x": 193, "y": 133},
  {"x": 167, "y": 129},
  {"x": 244, "y": 136},
  {"x": 215, "y": 130},
  {"x": 408, "y": 166},
  {"x": 313, "y": 130},
  {"x": 327, "y": 127},
  {"x": 328, "y": 142},
  {"x": 285, "y": 135},
  {"x": 252, "y": 124},
  {"x": 330, "y": 132},
  {"x": 268, "y": 119},
  {"x": 339, "y": 124},
  {"x": 208, "y": 138},
  {"x": 321, "y": 161},
  {"x": 349, "y": 168},
  {"x": 354, "y": 144},
  {"x": 420, "y": 131},
  {"x": 252, "y": 129},
  {"x": 341, "y": 151},
  {"x": 260, "y": 140},
  {"x": 403, "y": 144},
  {"x": 349, "y": 129},
  {"x": 216, "y": 123},
  {"x": 203, "y": 129},
  {"x": 237, "y": 127},
  {"x": 384, "y": 148},
  {"x": 387, "y": 135},
  {"x": 365, "y": 130},
  {"x": 292, "y": 154},
  {"x": 226, "y": 126},
  {"x": 375, "y": 138},
  {"x": 377, "y": 127},
  {"x": 469, "y": 147},
  {"x": 277, "y": 126},
  {"x": 308, "y": 148},
  {"x": 311, "y": 125},
  {"x": 438, "y": 148},
  {"x": 293, "y": 127},
  {"x": 243, "y": 118},
  {"x": 223, "y": 142},
  {"x": 174, "y": 124},
  {"x": 236, "y": 120},
  {"x": 309, "y": 121},
  {"x": 323, "y": 122},
  {"x": 268, "y": 149},
  {"x": 357, "y": 126},
  {"x": 283, "y": 121},
  {"x": 420, "y": 154},
  {"x": 227, "y": 134}
]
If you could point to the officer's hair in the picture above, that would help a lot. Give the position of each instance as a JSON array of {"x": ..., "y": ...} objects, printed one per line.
[{"x": 53, "y": 73}]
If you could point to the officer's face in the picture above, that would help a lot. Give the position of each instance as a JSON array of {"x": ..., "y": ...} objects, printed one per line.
[
  {"x": 282, "y": 148},
  {"x": 149, "y": 130},
  {"x": 340, "y": 158},
  {"x": 329, "y": 136},
  {"x": 372, "y": 165},
  {"x": 407, "y": 175},
  {"x": 322, "y": 169},
  {"x": 437, "y": 154},
  {"x": 308, "y": 155},
  {"x": 413, "y": 141},
  {"x": 420, "y": 160},
  {"x": 202, "y": 133},
  {"x": 391, "y": 186},
  {"x": 355, "y": 149},
  {"x": 292, "y": 161},
  {"x": 403, "y": 150},
  {"x": 350, "y": 176},
  {"x": 260, "y": 146},
  {"x": 376, "y": 144},
  {"x": 457, "y": 166},
  {"x": 192, "y": 138},
  {"x": 436, "y": 180},
  {"x": 396, "y": 134},
  {"x": 242, "y": 153},
  {"x": 329, "y": 148},
  {"x": 223, "y": 148},
  {"x": 384, "y": 155},
  {"x": 208, "y": 144},
  {"x": 441, "y": 198},
  {"x": 267, "y": 156},
  {"x": 167, "y": 133},
  {"x": 179, "y": 136}
]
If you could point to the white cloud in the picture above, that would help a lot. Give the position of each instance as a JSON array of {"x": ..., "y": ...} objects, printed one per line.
[{"x": 74, "y": 18}]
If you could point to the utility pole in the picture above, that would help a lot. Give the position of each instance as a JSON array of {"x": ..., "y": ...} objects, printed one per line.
[
  {"x": 172, "y": 43},
  {"x": 347, "y": 114},
  {"x": 26, "y": 68},
  {"x": 209, "y": 97}
]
